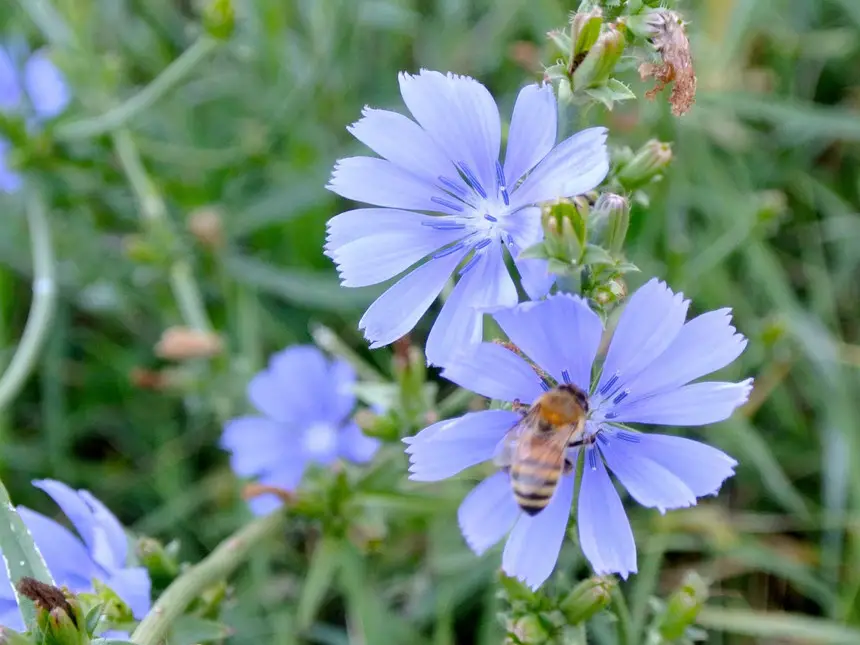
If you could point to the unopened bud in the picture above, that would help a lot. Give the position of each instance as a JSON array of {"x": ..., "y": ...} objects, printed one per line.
[
  {"x": 58, "y": 613},
  {"x": 564, "y": 223},
  {"x": 219, "y": 18},
  {"x": 182, "y": 343},
  {"x": 648, "y": 162},
  {"x": 528, "y": 629},
  {"x": 206, "y": 225},
  {"x": 683, "y": 607},
  {"x": 587, "y": 598},
  {"x": 584, "y": 32},
  {"x": 160, "y": 560},
  {"x": 614, "y": 211},
  {"x": 600, "y": 61}
]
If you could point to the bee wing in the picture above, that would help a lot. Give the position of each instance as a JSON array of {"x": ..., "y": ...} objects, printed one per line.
[{"x": 504, "y": 453}]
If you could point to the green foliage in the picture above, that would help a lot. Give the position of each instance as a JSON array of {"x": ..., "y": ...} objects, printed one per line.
[{"x": 757, "y": 211}]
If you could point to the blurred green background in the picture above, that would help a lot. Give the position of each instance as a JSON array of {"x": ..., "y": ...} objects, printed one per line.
[{"x": 758, "y": 212}]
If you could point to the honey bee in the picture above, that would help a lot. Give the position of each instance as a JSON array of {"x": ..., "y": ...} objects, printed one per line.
[{"x": 534, "y": 451}]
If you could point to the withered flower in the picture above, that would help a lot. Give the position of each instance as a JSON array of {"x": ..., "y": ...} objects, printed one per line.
[{"x": 672, "y": 45}]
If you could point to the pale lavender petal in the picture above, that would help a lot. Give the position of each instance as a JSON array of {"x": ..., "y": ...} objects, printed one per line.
[
  {"x": 649, "y": 323},
  {"x": 352, "y": 225},
  {"x": 573, "y": 167},
  {"x": 10, "y": 84},
  {"x": 287, "y": 390},
  {"x": 532, "y": 132},
  {"x": 526, "y": 230},
  {"x": 535, "y": 541},
  {"x": 111, "y": 549},
  {"x": 388, "y": 252},
  {"x": 73, "y": 507},
  {"x": 492, "y": 285},
  {"x": 258, "y": 445},
  {"x": 381, "y": 183},
  {"x": 10, "y": 181},
  {"x": 286, "y": 479},
  {"x": 704, "y": 344},
  {"x": 560, "y": 334},
  {"x": 604, "y": 531},
  {"x": 447, "y": 447},
  {"x": 357, "y": 446},
  {"x": 692, "y": 405},
  {"x": 700, "y": 466},
  {"x": 458, "y": 326},
  {"x": 404, "y": 143},
  {"x": 397, "y": 310},
  {"x": 134, "y": 588},
  {"x": 45, "y": 86},
  {"x": 461, "y": 116},
  {"x": 67, "y": 558},
  {"x": 647, "y": 481},
  {"x": 488, "y": 512},
  {"x": 496, "y": 373},
  {"x": 535, "y": 276},
  {"x": 341, "y": 395}
]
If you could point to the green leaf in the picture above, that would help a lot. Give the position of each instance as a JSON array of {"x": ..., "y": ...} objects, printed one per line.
[
  {"x": 318, "y": 580},
  {"x": 309, "y": 289},
  {"x": 614, "y": 90},
  {"x": 93, "y": 617},
  {"x": 20, "y": 555},
  {"x": 774, "y": 625},
  {"x": 536, "y": 251},
  {"x": 189, "y": 630},
  {"x": 596, "y": 255}
]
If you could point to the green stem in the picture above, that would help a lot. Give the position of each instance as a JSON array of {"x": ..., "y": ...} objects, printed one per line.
[
  {"x": 154, "y": 212},
  {"x": 118, "y": 116},
  {"x": 622, "y": 613},
  {"x": 41, "y": 309},
  {"x": 216, "y": 566}
]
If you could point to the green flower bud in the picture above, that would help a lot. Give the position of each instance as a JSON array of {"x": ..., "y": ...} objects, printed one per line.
[
  {"x": 613, "y": 211},
  {"x": 564, "y": 223},
  {"x": 161, "y": 561},
  {"x": 600, "y": 61},
  {"x": 587, "y": 598},
  {"x": 683, "y": 606},
  {"x": 58, "y": 613},
  {"x": 528, "y": 629},
  {"x": 219, "y": 18},
  {"x": 584, "y": 32},
  {"x": 61, "y": 628},
  {"x": 648, "y": 162}
]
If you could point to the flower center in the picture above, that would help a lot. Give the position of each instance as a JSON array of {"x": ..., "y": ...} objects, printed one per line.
[{"x": 320, "y": 440}]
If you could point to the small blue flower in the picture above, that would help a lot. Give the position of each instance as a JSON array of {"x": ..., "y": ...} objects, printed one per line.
[
  {"x": 306, "y": 402},
  {"x": 645, "y": 378},
  {"x": 45, "y": 90},
  {"x": 100, "y": 553},
  {"x": 447, "y": 165}
]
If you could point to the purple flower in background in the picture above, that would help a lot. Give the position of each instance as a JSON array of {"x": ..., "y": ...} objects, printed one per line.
[
  {"x": 98, "y": 552},
  {"x": 444, "y": 197},
  {"x": 645, "y": 378},
  {"x": 306, "y": 401},
  {"x": 41, "y": 86}
]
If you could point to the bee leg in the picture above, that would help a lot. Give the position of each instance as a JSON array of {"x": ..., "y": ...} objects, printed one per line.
[
  {"x": 519, "y": 407},
  {"x": 568, "y": 466}
]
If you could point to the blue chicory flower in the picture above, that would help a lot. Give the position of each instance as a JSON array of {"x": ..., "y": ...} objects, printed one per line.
[
  {"x": 306, "y": 401},
  {"x": 444, "y": 197},
  {"x": 47, "y": 94},
  {"x": 100, "y": 553},
  {"x": 645, "y": 378}
]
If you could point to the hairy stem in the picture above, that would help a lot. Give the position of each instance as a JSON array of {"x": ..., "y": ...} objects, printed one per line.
[
  {"x": 42, "y": 307},
  {"x": 216, "y": 566},
  {"x": 154, "y": 213},
  {"x": 118, "y": 116},
  {"x": 622, "y": 613}
]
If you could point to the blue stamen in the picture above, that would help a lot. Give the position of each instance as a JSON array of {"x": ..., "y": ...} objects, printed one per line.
[
  {"x": 453, "y": 186},
  {"x": 500, "y": 176},
  {"x": 469, "y": 264},
  {"x": 602, "y": 439},
  {"x": 490, "y": 218},
  {"x": 447, "y": 204},
  {"x": 618, "y": 399},
  {"x": 608, "y": 385},
  {"x": 628, "y": 436},
  {"x": 471, "y": 179},
  {"x": 609, "y": 415},
  {"x": 451, "y": 249},
  {"x": 545, "y": 386},
  {"x": 565, "y": 376},
  {"x": 480, "y": 245},
  {"x": 592, "y": 459},
  {"x": 444, "y": 225}
]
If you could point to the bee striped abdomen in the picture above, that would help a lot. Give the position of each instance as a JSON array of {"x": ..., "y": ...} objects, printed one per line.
[{"x": 533, "y": 483}]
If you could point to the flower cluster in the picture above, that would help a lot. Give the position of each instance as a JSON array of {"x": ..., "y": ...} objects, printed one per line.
[
  {"x": 41, "y": 87},
  {"x": 99, "y": 552}
]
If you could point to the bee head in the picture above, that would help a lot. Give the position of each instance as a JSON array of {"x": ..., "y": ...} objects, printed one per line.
[{"x": 580, "y": 396}]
